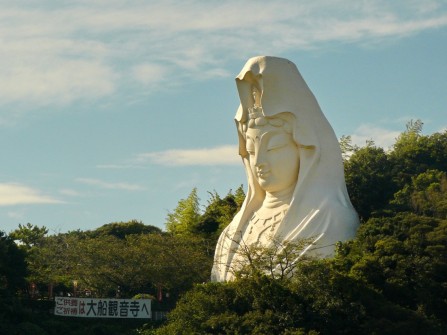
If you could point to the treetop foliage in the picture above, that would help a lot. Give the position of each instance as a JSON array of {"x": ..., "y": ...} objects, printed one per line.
[
  {"x": 373, "y": 175},
  {"x": 185, "y": 216},
  {"x": 187, "y": 219},
  {"x": 123, "y": 229},
  {"x": 29, "y": 235}
]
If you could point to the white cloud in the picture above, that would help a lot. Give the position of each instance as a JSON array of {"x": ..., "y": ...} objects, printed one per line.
[
  {"x": 115, "y": 166},
  {"x": 382, "y": 137},
  {"x": 149, "y": 74},
  {"x": 222, "y": 155},
  {"x": 16, "y": 215},
  {"x": 86, "y": 50},
  {"x": 70, "y": 192},
  {"x": 16, "y": 194},
  {"x": 60, "y": 82},
  {"x": 110, "y": 186}
]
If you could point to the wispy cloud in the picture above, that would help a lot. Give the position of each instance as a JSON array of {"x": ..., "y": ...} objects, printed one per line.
[
  {"x": 110, "y": 186},
  {"x": 382, "y": 137},
  {"x": 17, "y": 194},
  {"x": 117, "y": 166},
  {"x": 222, "y": 155},
  {"x": 69, "y": 192},
  {"x": 149, "y": 74},
  {"x": 58, "y": 54},
  {"x": 16, "y": 215}
]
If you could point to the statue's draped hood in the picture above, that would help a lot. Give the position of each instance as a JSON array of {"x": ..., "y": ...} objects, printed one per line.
[{"x": 320, "y": 207}]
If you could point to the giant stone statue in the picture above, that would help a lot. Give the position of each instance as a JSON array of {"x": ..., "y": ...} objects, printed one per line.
[{"x": 296, "y": 186}]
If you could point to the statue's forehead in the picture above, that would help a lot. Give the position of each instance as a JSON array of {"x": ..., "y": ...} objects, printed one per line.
[{"x": 258, "y": 132}]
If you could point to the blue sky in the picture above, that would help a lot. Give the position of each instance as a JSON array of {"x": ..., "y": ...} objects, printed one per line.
[{"x": 113, "y": 111}]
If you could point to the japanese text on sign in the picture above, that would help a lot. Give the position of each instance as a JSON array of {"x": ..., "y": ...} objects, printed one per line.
[{"x": 103, "y": 308}]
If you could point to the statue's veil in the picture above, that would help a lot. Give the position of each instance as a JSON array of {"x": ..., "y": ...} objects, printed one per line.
[{"x": 320, "y": 207}]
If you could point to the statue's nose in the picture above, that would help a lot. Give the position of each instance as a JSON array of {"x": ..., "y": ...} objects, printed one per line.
[{"x": 260, "y": 159}]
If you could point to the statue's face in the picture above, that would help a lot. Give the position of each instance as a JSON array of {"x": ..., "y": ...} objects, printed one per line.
[{"x": 274, "y": 157}]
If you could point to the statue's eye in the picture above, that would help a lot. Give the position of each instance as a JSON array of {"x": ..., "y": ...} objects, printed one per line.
[
  {"x": 251, "y": 151},
  {"x": 278, "y": 142}
]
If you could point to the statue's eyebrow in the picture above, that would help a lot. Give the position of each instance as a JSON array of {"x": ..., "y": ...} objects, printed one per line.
[
  {"x": 278, "y": 140},
  {"x": 263, "y": 139}
]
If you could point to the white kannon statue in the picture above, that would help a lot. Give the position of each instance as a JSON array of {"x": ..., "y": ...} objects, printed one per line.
[{"x": 296, "y": 186}]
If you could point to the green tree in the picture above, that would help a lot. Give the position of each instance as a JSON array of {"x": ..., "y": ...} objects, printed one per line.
[
  {"x": 414, "y": 153},
  {"x": 426, "y": 195},
  {"x": 183, "y": 220},
  {"x": 123, "y": 229},
  {"x": 187, "y": 220},
  {"x": 12, "y": 265},
  {"x": 175, "y": 262},
  {"x": 12, "y": 281},
  {"x": 248, "y": 306},
  {"x": 239, "y": 196},
  {"x": 279, "y": 260},
  {"x": 218, "y": 214},
  {"x": 405, "y": 258},
  {"x": 29, "y": 235},
  {"x": 369, "y": 180},
  {"x": 318, "y": 300},
  {"x": 346, "y": 147},
  {"x": 55, "y": 259},
  {"x": 106, "y": 264}
]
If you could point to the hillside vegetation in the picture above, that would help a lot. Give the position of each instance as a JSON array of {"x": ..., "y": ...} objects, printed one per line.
[{"x": 391, "y": 279}]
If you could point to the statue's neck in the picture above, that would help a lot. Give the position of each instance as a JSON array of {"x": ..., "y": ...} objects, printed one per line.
[{"x": 275, "y": 200}]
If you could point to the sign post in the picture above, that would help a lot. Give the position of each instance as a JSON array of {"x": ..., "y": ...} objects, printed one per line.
[{"x": 103, "y": 308}]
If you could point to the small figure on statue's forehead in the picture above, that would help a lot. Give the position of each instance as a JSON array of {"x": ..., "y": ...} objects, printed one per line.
[
  {"x": 255, "y": 113},
  {"x": 256, "y": 97}
]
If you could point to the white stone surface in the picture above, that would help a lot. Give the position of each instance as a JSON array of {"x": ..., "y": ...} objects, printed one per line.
[{"x": 296, "y": 186}]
